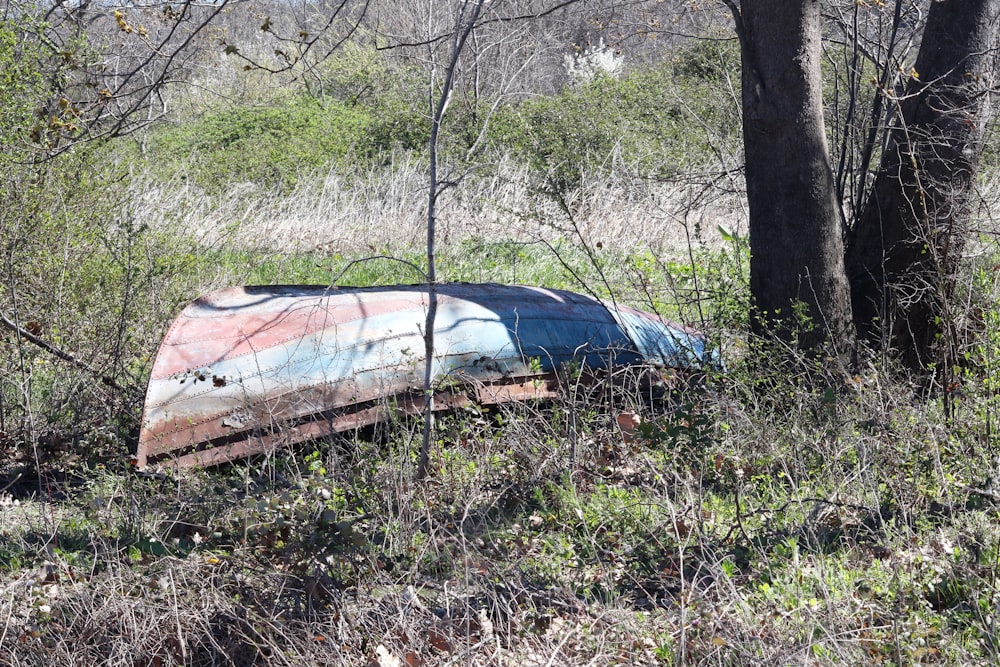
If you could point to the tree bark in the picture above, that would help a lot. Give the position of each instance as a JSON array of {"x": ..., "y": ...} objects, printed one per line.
[
  {"x": 905, "y": 248},
  {"x": 797, "y": 274}
]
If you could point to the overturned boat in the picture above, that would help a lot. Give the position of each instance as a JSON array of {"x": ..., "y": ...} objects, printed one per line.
[{"x": 248, "y": 369}]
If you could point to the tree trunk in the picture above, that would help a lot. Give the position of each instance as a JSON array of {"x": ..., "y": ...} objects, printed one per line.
[
  {"x": 905, "y": 247},
  {"x": 797, "y": 275}
]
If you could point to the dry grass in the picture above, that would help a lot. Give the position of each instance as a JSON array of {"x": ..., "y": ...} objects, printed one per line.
[
  {"x": 764, "y": 518},
  {"x": 734, "y": 528},
  {"x": 760, "y": 519},
  {"x": 385, "y": 209}
]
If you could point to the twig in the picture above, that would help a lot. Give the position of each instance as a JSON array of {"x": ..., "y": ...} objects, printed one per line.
[
  {"x": 55, "y": 351},
  {"x": 10, "y": 613},
  {"x": 347, "y": 267},
  {"x": 986, "y": 493},
  {"x": 12, "y": 483}
]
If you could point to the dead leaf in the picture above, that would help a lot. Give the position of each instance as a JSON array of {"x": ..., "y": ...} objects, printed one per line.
[
  {"x": 628, "y": 422},
  {"x": 437, "y": 639}
]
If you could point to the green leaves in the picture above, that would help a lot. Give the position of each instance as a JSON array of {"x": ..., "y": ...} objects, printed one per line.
[{"x": 653, "y": 122}]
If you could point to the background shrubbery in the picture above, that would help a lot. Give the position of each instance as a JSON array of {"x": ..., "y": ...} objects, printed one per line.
[{"x": 653, "y": 122}]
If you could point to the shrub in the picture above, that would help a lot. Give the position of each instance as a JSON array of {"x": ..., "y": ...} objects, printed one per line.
[
  {"x": 357, "y": 108},
  {"x": 656, "y": 122},
  {"x": 270, "y": 145}
]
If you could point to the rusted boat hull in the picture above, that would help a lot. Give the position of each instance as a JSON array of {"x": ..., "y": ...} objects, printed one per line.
[{"x": 244, "y": 370}]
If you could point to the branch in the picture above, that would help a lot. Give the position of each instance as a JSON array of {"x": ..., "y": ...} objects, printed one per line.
[
  {"x": 734, "y": 8},
  {"x": 749, "y": 58},
  {"x": 499, "y": 19},
  {"x": 306, "y": 43},
  {"x": 65, "y": 356},
  {"x": 464, "y": 27},
  {"x": 350, "y": 265}
]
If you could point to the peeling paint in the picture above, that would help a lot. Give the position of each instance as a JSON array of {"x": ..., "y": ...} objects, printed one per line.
[{"x": 247, "y": 369}]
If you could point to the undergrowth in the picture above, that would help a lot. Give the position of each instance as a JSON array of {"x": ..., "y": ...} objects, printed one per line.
[{"x": 722, "y": 525}]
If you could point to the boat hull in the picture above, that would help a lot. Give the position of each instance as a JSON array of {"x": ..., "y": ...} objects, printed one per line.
[{"x": 244, "y": 370}]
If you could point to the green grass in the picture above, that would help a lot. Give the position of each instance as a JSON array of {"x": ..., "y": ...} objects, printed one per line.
[{"x": 709, "y": 290}]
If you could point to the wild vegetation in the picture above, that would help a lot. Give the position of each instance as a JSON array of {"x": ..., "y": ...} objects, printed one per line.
[{"x": 787, "y": 510}]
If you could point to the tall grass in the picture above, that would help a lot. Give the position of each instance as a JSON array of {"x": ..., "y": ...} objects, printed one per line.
[
  {"x": 740, "y": 523},
  {"x": 348, "y": 211}
]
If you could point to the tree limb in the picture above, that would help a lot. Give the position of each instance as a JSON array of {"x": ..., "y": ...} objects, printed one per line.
[{"x": 56, "y": 352}]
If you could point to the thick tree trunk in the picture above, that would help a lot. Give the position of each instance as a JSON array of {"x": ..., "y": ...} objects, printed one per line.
[
  {"x": 905, "y": 247},
  {"x": 797, "y": 272}
]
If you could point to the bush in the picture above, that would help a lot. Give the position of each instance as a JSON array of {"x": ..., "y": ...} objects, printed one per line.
[
  {"x": 357, "y": 108},
  {"x": 270, "y": 145},
  {"x": 21, "y": 87},
  {"x": 657, "y": 122},
  {"x": 275, "y": 146}
]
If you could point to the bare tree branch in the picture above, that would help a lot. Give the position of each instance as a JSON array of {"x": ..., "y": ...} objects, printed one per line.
[{"x": 61, "y": 354}]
